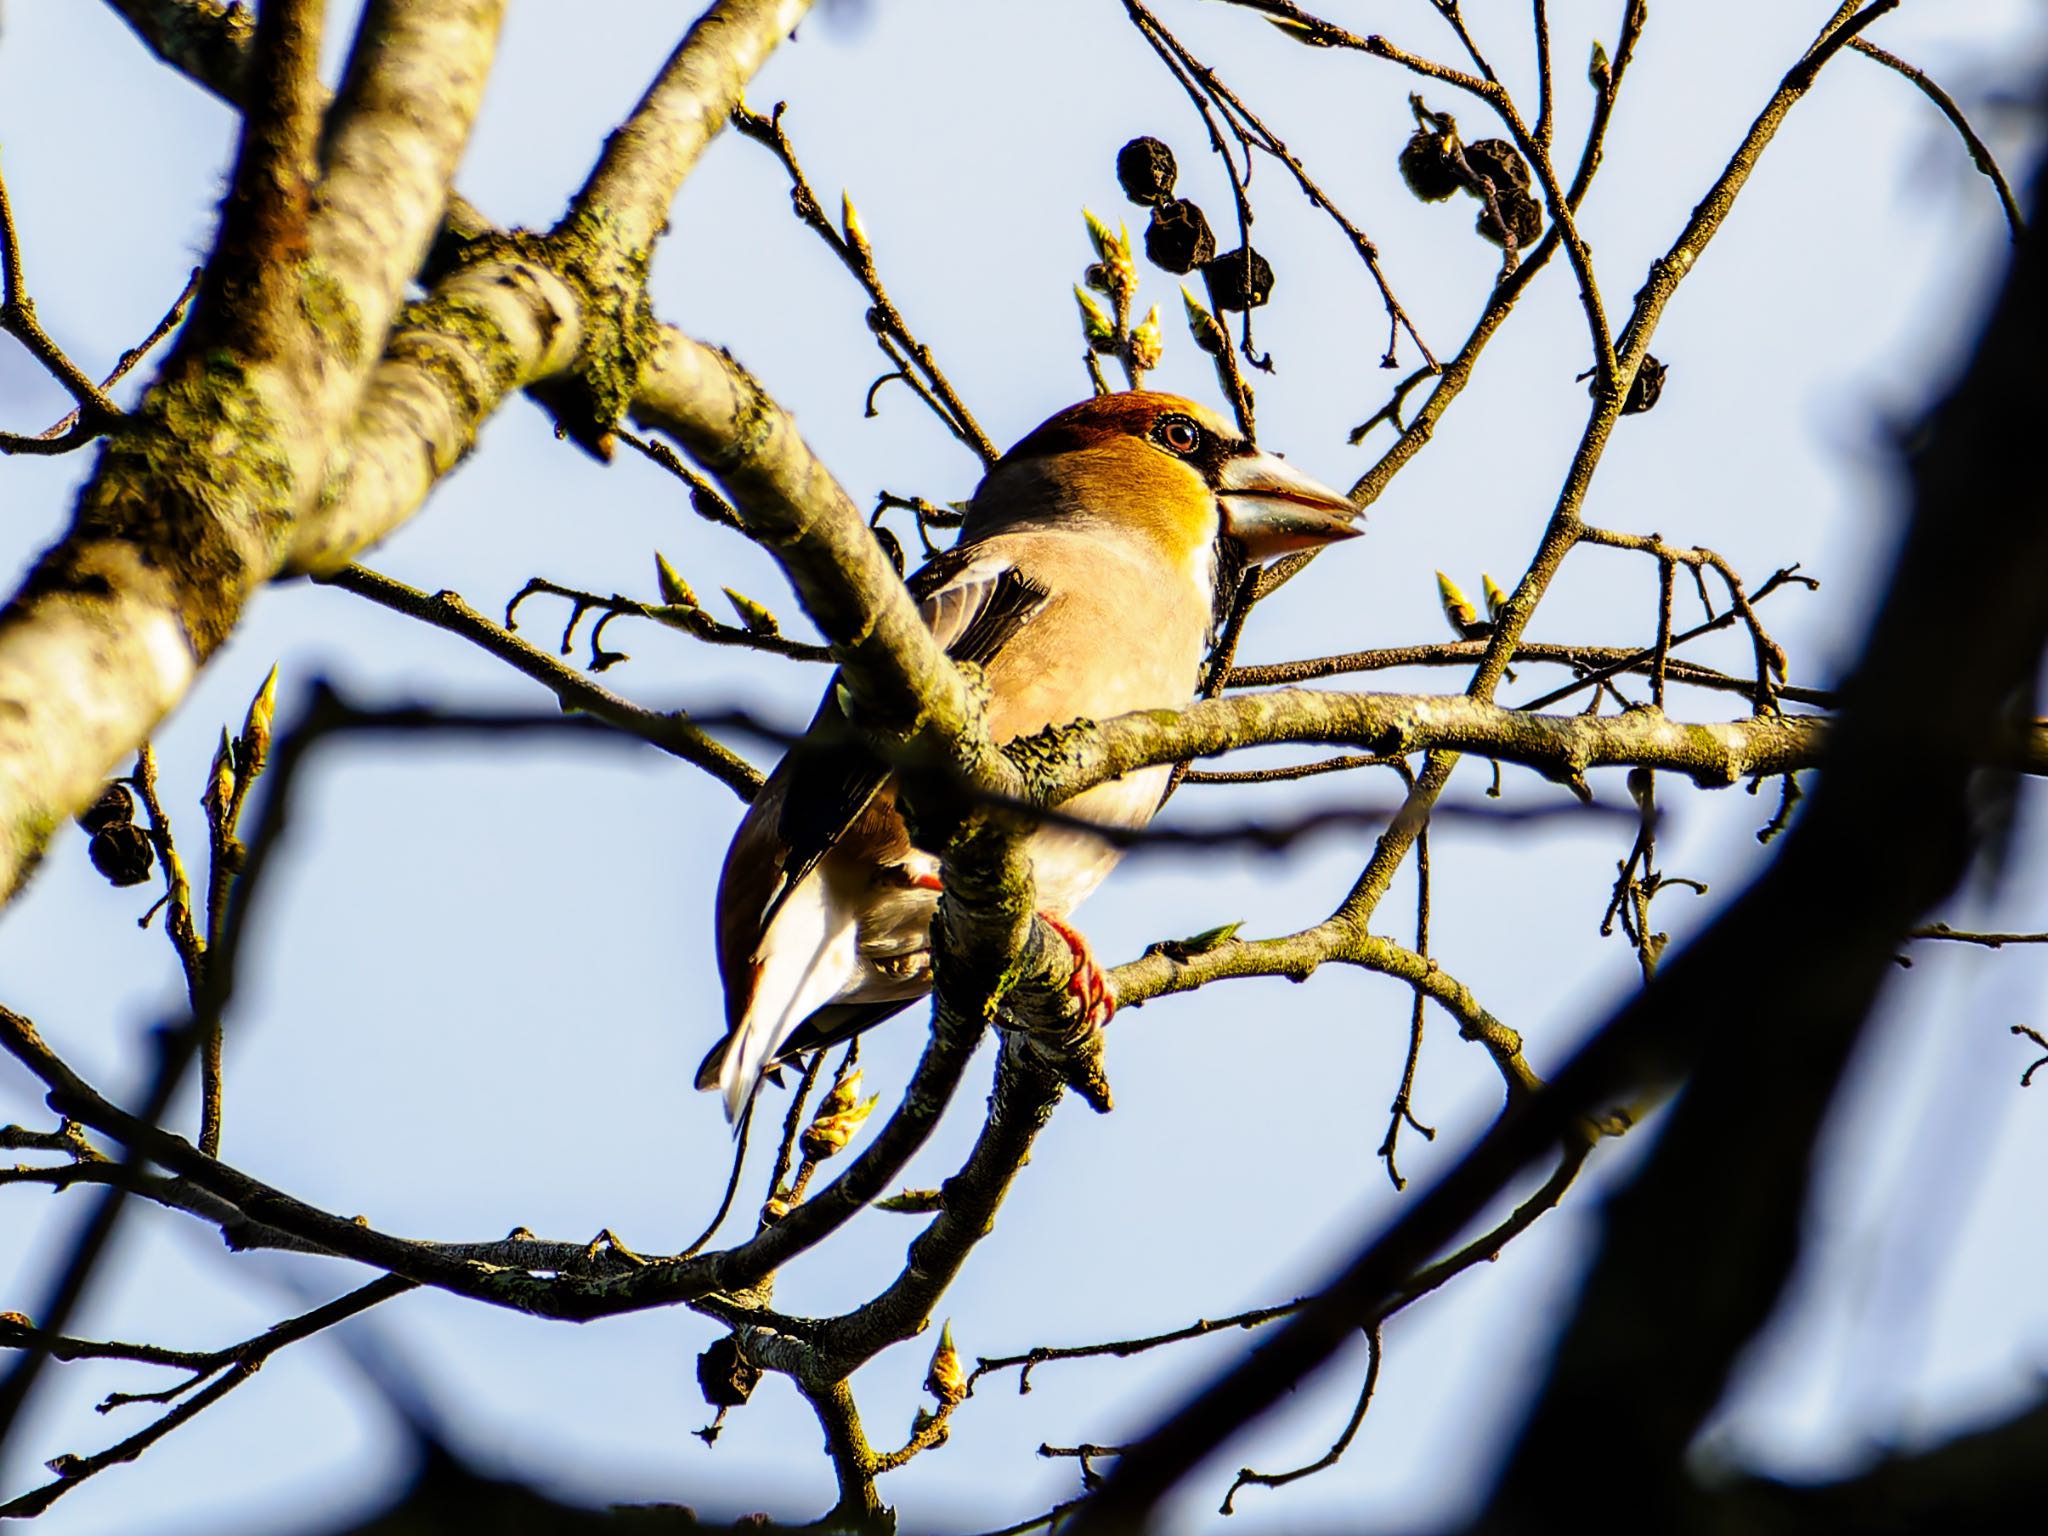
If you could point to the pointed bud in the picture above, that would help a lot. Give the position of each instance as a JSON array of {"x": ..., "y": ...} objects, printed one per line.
[
  {"x": 674, "y": 590},
  {"x": 1200, "y": 943},
  {"x": 1458, "y": 609},
  {"x": 1147, "y": 342},
  {"x": 254, "y": 748},
  {"x": 220, "y": 786},
  {"x": 844, "y": 1094},
  {"x": 759, "y": 620},
  {"x": 1100, "y": 236},
  {"x": 1119, "y": 270},
  {"x": 945, "y": 1380},
  {"x": 1495, "y": 598},
  {"x": 1311, "y": 33},
  {"x": 839, "y": 1115},
  {"x": 1095, "y": 326},
  {"x": 913, "y": 1202},
  {"x": 1598, "y": 72},
  {"x": 1202, "y": 325},
  {"x": 856, "y": 232}
]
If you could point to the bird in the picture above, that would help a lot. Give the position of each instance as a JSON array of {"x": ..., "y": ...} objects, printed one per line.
[{"x": 1094, "y": 565}]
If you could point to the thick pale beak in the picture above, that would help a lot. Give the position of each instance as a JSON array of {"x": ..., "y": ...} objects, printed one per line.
[{"x": 1271, "y": 507}]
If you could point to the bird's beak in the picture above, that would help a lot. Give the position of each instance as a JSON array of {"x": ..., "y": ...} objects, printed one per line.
[{"x": 1271, "y": 507}]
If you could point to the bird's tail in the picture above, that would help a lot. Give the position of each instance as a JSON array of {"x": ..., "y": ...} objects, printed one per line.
[{"x": 807, "y": 958}]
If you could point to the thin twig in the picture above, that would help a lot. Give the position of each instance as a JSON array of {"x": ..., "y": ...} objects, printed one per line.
[
  {"x": 672, "y": 733},
  {"x": 1980, "y": 152},
  {"x": 1247, "y": 1478},
  {"x": 884, "y": 319}
]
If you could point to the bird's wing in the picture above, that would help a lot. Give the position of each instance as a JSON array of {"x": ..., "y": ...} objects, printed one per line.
[{"x": 975, "y": 601}]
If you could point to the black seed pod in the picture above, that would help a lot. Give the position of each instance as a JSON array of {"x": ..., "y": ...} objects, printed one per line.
[
  {"x": 725, "y": 1376},
  {"x": 1648, "y": 385},
  {"x": 114, "y": 806},
  {"x": 1179, "y": 238},
  {"x": 1145, "y": 170},
  {"x": 1522, "y": 212},
  {"x": 1427, "y": 166},
  {"x": 122, "y": 853},
  {"x": 1499, "y": 160},
  {"x": 1239, "y": 279}
]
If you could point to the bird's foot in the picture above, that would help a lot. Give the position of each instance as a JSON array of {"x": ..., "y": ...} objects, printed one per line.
[{"x": 1088, "y": 985}]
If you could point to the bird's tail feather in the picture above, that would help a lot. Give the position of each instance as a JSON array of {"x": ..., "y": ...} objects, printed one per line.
[{"x": 806, "y": 959}]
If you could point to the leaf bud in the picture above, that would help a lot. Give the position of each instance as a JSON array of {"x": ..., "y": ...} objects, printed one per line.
[
  {"x": 1095, "y": 326},
  {"x": 856, "y": 232},
  {"x": 674, "y": 590},
  {"x": 759, "y": 620},
  {"x": 254, "y": 747},
  {"x": 1147, "y": 342},
  {"x": 1495, "y": 598},
  {"x": 839, "y": 1115},
  {"x": 1458, "y": 609},
  {"x": 1209, "y": 335},
  {"x": 946, "y": 1380}
]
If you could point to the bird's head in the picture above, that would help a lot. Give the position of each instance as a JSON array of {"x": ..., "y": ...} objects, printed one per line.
[{"x": 1163, "y": 469}]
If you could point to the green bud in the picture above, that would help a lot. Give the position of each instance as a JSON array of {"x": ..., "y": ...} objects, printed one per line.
[
  {"x": 1095, "y": 326},
  {"x": 856, "y": 232},
  {"x": 1458, "y": 609},
  {"x": 674, "y": 590},
  {"x": 1495, "y": 598},
  {"x": 1202, "y": 325},
  {"x": 946, "y": 1380},
  {"x": 254, "y": 747},
  {"x": 758, "y": 620},
  {"x": 1148, "y": 342}
]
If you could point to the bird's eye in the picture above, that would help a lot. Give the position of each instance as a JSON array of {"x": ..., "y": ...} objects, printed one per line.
[{"x": 1178, "y": 435}]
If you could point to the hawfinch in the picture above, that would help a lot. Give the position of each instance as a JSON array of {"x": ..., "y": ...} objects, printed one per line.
[{"x": 1084, "y": 584}]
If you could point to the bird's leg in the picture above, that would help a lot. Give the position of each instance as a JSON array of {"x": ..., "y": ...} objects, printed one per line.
[{"x": 1088, "y": 985}]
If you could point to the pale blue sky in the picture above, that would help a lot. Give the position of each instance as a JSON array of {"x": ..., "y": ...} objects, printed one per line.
[{"x": 485, "y": 977}]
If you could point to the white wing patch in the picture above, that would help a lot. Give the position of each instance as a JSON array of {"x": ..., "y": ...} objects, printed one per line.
[{"x": 807, "y": 958}]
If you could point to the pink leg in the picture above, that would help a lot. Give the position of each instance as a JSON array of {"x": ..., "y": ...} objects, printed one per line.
[{"x": 1088, "y": 985}]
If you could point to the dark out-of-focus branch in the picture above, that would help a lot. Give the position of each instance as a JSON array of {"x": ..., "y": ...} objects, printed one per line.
[{"x": 1698, "y": 1249}]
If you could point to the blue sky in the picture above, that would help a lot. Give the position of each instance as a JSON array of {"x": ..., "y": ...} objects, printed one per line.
[{"x": 485, "y": 977}]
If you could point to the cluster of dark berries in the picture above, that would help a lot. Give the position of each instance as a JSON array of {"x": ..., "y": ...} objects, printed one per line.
[
  {"x": 1178, "y": 238},
  {"x": 120, "y": 849},
  {"x": 1435, "y": 165}
]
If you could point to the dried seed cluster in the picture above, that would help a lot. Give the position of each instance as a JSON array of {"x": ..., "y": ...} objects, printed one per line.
[{"x": 1178, "y": 238}]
